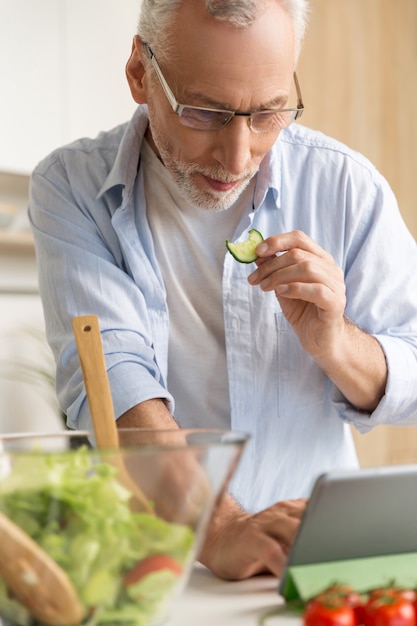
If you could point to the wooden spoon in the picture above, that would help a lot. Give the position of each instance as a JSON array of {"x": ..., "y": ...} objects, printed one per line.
[
  {"x": 35, "y": 580},
  {"x": 90, "y": 351}
]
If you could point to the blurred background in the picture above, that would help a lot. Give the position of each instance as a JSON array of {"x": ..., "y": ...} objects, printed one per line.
[
  {"x": 62, "y": 77},
  {"x": 358, "y": 74}
]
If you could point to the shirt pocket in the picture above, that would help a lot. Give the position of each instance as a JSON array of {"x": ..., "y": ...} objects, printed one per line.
[{"x": 301, "y": 382}]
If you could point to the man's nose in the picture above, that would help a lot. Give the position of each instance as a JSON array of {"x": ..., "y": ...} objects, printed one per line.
[{"x": 233, "y": 146}]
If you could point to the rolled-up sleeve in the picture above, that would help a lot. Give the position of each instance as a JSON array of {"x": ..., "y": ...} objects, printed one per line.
[{"x": 86, "y": 268}]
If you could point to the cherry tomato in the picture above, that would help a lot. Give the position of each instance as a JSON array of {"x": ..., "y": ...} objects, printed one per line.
[
  {"x": 389, "y": 609},
  {"x": 344, "y": 592},
  {"x": 414, "y": 602},
  {"x": 348, "y": 596},
  {"x": 153, "y": 563},
  {"x": 361, "y": 615},
  {"x": 331, "y": 612},
  {"x": 407, "y": 594}
]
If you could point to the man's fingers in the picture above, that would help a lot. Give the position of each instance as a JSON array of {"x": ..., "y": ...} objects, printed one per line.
[
  {"x": 281, "y": 527},
  {"x": 297, "y": 267},
  {"x": 246, "y": 545},
  {"x": 269, "y": 555},
  {"x": 295, "y": 508},
  {"x": 287, "y": 241}
]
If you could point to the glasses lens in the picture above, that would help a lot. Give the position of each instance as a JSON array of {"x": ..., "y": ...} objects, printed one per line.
[
  {"x": 204, "y": 119},
  {"x": 270, "y": 121}
]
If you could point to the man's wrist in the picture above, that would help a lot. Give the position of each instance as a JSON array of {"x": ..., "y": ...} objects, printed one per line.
[{"x": 225, "y": 514}]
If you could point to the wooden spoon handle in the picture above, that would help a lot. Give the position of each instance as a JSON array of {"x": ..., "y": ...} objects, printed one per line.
[
  {"x": 35, "y": 579},
  {"x": 93, "y": 365}
]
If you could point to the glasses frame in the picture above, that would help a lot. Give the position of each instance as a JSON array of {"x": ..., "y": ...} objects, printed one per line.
[{"x": 178, "y": 108}]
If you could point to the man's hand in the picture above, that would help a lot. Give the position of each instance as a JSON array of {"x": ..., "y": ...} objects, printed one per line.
[
  {"x": 309, "y": 286},
  {"x": 311, "y": 291},
  {"x": 239, "y": 545}
]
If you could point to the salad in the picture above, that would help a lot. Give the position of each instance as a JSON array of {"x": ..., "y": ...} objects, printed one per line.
[{"x": 125, "y": 565}]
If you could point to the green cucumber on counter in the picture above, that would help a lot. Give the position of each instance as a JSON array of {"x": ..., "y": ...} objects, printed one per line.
[{"x": 244, "y": 252}]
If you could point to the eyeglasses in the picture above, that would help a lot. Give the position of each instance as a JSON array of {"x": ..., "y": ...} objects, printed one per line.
[{"x": 199, "y": 118}]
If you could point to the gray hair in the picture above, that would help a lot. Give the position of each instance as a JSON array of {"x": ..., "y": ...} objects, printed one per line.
[{"x": 156, "y": 17}]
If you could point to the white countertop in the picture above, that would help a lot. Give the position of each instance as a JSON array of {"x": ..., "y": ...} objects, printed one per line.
[{"x": 209, "y": 601}]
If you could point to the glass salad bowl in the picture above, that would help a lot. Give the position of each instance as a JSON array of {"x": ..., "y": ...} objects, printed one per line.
[{"x": 124, "y": 525}]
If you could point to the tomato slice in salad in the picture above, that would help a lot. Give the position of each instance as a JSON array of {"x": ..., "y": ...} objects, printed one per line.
[{"x": 153, "y": 563}]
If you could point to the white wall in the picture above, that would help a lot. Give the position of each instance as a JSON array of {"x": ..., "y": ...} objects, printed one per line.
[{"x": 61, "y": 73}]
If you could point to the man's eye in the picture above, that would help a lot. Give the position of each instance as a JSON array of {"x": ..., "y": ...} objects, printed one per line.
[
  {"x": 204, "y": 117},
  {"x": 272, "y": 119}
]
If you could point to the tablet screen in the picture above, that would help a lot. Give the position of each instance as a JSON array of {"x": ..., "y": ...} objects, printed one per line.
[{"x": 358, "y": 513}]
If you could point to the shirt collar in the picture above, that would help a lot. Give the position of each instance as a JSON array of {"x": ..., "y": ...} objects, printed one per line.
[
  {"x": 125, "y": 167},
  {"x": 269, "y": 176}
]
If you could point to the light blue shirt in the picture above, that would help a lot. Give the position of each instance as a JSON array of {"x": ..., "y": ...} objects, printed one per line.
[{"x": 96, "y": 255}]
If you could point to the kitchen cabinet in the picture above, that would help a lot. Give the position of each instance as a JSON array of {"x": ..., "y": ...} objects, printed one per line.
[{"x": 62, "y": 74}]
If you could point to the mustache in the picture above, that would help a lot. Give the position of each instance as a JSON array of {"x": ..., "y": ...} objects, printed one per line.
[{"x": 220, "y": 174}]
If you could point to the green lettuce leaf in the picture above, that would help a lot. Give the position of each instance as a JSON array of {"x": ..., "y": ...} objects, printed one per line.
[{"x": 76, "y": 510}]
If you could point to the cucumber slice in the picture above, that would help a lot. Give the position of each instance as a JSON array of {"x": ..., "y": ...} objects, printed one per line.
[{"x": 244, "y": 252}]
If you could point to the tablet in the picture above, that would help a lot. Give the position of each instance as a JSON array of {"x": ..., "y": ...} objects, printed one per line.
[{"x": 356, "y": 514}]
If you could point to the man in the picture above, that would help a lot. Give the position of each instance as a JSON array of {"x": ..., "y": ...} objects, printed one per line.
[{"x": 132, "y": 227}]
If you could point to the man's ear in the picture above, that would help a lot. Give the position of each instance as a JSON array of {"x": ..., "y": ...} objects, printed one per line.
[{"x": 135, "y": 71}]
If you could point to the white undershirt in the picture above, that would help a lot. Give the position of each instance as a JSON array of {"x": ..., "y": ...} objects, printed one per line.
[{"x": 190, "y": 249}]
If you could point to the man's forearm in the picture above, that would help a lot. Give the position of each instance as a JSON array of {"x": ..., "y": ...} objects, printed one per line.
[
  {"x": 149, "y": 414},
  {"x": 358, "y": 368},
  {"x": 225, "y": 512}
]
